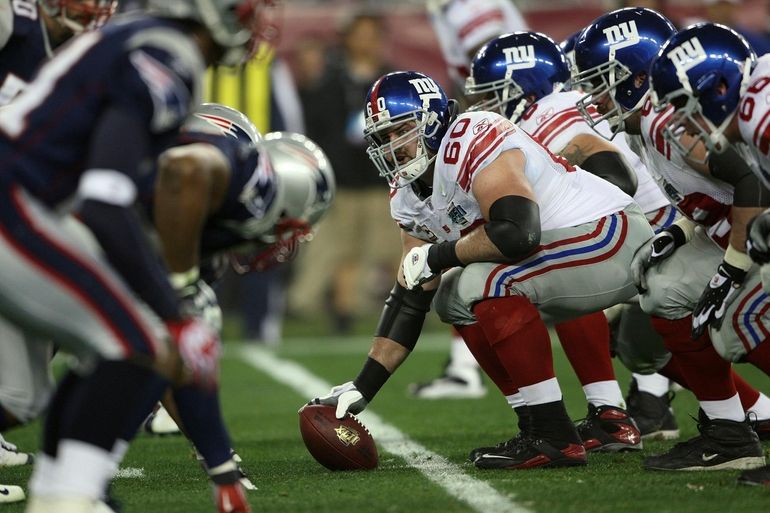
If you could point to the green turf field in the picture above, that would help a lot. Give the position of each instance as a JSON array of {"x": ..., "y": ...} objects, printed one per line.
[{"x": 422, "y": 444}]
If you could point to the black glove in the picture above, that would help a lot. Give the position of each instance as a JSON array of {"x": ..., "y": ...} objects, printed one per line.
[
  {"x": 719, "y": 293},
  {"x": 758, "y": 238}
]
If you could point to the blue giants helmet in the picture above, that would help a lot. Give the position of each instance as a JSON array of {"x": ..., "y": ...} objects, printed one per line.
[
  {"x": 396, "y": 99},
  {"x": 704, "y": 69},
  {"x": 613, "y": 56},
  {"x": 515, "y": 70}
]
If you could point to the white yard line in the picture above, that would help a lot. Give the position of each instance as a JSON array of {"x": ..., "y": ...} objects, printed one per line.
[
  {"x": 129, "y": 473},
  {"x": 477, "y": 494}
]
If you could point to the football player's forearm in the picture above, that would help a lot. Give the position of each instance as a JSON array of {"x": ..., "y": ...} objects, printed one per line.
[
  {"x": 477, "y": 247},
  {"x": 388, "y": 352},
  {"x": 740, "y": 220}
]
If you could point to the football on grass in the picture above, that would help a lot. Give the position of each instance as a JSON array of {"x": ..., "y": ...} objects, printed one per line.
[{"x": 337, "y": 444}]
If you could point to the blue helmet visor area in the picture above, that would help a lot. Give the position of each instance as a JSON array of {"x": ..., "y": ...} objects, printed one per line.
[
  {"x": 688, "y": 131},
  {"x": 503, "y": 96},
  {"x": 600, "y": 84},
  {"x": 386, "y": 152}
]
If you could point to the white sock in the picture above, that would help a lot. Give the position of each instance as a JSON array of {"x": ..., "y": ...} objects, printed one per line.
[
  {"x": 654, "y": 384},
  {"x": 82, "y": 470},
  {"x": 761, "y": 408},
  {"x": 460, "y": 355},
  {"x": 604, "y": 393},
  {"x": 44, "y": 469},
  {"x": 729, "y": 409},
  {"x": 119, "y": 450},
  {"x": 515, "y": 400},
  {"x": 547, "y": 391}
]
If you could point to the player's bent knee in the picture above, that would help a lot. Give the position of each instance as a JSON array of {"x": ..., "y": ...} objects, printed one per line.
[
  {"x": 660, "y": 298},
  {"x": 450, "y": 306}
]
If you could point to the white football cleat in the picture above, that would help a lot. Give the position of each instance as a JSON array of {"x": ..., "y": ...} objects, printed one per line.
[
  {"x": 457, "y": 384},
  {"x": 10, "y": 493},
  {"x": 46, "y": 504},
  {"x": 11, "y": 457},
  {"x": 160, "y": 423}
]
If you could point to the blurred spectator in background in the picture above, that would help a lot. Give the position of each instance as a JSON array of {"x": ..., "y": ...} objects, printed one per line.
[
  {"x": 463, "y": 26},
  {"x": 264, "y": 90},
  {"x": 357, "y": 247},
  {"x": 727, "y": 12}
]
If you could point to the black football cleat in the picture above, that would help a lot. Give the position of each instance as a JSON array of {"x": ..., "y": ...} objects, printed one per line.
[
  {"x": 652, "y": 414},
  {"x": 762, "y": 428},
  {"x": 500, "y": 448},
  {"x": 722, "y": 444},
  {"x": 529, "y": 452},
  {"x": 609, "y": 429},
  {"x": 755, "y": 477}
]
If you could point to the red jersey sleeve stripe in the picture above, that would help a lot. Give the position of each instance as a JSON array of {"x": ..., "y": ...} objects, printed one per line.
[{"x": 478, "y": 21}]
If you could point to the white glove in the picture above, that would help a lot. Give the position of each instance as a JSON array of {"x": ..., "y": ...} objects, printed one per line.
[
  {"x": 199, "y": 300},
  {"x": 345, "y": 397},
  {"x": 415, "y": 267}
]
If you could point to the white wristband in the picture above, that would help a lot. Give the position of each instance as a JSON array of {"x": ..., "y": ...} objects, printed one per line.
[
  {"x": 183, "y": 279},
  {"x": 107, "y": 186},
  {"x": 737, "y": 259}
]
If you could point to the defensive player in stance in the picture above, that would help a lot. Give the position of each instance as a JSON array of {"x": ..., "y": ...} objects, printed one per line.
[
  {"x": 222, "y": 193},
  {"x": 709, "y": 78},
  {"x": 522, "y": 76},
  {"x": 528, "y": 237},
  {"x": 29, "y": 32},
  {"x": 128, "y": 85}
]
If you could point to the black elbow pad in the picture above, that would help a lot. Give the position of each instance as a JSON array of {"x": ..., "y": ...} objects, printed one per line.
[
  {"x": 514, "y": 226},
  {"x": 611, "y": 166}
]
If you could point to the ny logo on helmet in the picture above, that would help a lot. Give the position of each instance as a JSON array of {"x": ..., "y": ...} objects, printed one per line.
[
  {"x": 621, "y": 35},
  {"x": 520, "y": 57},
  {"x": 427, "y": 89},
  {"x": 688, "y": 55}
]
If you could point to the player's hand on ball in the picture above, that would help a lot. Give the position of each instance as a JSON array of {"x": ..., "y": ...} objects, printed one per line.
[
  {"x": 346, "y": 398},
  {"x": 415, "y": 267}
]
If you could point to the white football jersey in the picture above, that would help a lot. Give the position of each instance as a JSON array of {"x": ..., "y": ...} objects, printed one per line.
[
  {"x": 703, "y": 199},
  {"x": 567, "y": 195},
  {"x": 463, "y": 25},
  {"x": 554, "y": 121},
  {"x": 754, "y": 120}
]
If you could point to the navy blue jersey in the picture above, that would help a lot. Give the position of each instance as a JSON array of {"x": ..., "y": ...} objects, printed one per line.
[
  {"x": 147, "y": 67},
  {"x": 24, "y": 46},
  {"x": 222, "y": 230}
]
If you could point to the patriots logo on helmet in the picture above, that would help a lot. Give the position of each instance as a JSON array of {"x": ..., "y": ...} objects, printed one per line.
[{"x": 225, "y": 126}]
